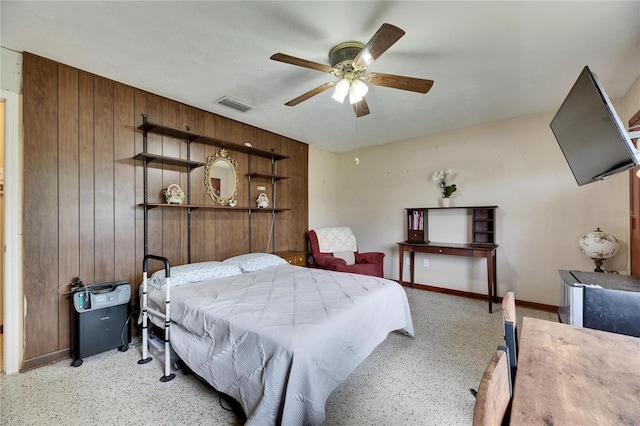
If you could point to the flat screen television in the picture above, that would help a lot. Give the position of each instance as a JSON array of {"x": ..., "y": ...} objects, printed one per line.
[{"x": 590, "y": 134}]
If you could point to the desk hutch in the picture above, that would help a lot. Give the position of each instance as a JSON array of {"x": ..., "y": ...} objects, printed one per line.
[{"x": 483, "y": 241}]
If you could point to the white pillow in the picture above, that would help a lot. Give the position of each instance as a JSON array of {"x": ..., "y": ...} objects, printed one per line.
[
  {"x": 255, "y": 261},
  {"x": 347, "y": 256},
  {"x": 193, "y": 272}
]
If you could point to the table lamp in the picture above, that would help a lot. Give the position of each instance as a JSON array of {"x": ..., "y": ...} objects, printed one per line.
[{"x": 598, "y": 245}]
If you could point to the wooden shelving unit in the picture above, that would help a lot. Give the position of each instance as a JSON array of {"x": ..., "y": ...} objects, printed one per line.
[
  {"x": 483, "y": 224},
  {"x": 171, "y": 161},
  {"x": 191, "y": 137},
  {"x": 272, "y": 178},
  {"x": 265, "y": 176},
  {"x": 417, "y": 225},
  {"x": 199, "y": 206}
]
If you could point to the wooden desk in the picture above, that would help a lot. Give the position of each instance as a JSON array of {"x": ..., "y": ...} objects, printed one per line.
[
  {"x": 488, "y": 251},
  {"x": 575, "y": 376}
]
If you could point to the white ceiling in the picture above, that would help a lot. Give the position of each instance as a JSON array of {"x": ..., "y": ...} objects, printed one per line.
[{"x": 489, "y": 60}]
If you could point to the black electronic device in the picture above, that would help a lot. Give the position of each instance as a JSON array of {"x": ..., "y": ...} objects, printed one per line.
[
  {"x": 608, "y": 302},
  {"x": 592, "y": 137},
  {"x": 101, "y": 319}
]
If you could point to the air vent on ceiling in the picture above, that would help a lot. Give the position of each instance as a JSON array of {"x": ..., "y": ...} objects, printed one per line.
[{"x": 232, "y": 103}]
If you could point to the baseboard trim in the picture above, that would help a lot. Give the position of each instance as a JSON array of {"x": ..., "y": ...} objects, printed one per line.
[
  {"x": 469, "y": 295},
  {"x": 45, "y": 359},
  {"x": 538, "y": 306}
]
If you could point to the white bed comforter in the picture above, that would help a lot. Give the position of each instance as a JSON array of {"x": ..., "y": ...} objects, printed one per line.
[{"x": 280, "y": 340}]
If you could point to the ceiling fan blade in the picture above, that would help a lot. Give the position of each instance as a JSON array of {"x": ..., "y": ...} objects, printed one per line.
[
  {"x": 412, "y": 84},
  {"x": 383, "y": 39},
  {"x": 361, "y": 108},
  {"x": 301, "y": 62},
  {"x": 311, "y": 93}
]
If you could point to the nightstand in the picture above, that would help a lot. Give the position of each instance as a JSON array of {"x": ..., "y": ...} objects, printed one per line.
[{"x": 294, "y": 257}]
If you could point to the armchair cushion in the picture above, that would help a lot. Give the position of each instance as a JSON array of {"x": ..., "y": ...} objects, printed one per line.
[
  {"x": 336, "y": 239},
  {"x": 326, "y": 243},
  {"x": 348, "y": 256},
  {"x": 371, "y": 257}
]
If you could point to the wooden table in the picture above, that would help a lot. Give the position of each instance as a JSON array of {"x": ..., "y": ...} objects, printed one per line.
[
  {"x": 575, "y": 376},
  {"x": 487, "y": 251}
]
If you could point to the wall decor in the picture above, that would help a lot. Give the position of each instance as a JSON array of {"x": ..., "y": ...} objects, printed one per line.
[
  {"x": 221, "y": 177},
  {"x": 173, "y": 194},
  {"x": 262, "y": 201}
]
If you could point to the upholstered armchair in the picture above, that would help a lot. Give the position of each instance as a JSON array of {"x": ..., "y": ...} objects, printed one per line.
[{"x": 336, "y": 249}]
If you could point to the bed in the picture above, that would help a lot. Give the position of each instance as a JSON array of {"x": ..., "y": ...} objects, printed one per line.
[{"x": 278, "y": 338}]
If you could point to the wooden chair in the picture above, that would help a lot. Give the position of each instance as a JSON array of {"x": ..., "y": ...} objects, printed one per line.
[
  {"x": 493, "y": 401},
  {"x": 510, "y": 329}
]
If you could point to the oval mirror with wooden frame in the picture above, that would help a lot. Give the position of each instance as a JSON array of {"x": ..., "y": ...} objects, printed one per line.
[{"x": 221, "y": 177}]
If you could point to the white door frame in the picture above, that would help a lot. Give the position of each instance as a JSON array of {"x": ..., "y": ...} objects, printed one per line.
[{"x": 13, "y": 282}]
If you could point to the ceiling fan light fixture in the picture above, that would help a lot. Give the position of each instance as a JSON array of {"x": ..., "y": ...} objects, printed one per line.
[
  {"x": 357, "y": 91},
  {"x": 339, "y": 96},
  {"x": 353, "y": 97},
  {"x": 342, "y": 89},
  {"x": 359, "y": 87},
  {"x": 349, "y": 62}
]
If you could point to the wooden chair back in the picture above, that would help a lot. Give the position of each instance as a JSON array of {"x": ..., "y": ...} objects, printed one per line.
[
  {"x": 510, "y": 328},
  {"x": 494, "y": 394}
]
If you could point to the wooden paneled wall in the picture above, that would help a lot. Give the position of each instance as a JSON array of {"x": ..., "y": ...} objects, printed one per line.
[{"x": 82, "y": 189}]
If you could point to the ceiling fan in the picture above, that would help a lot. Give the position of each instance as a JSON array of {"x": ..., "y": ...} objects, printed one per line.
[{"x": 349, "y": 62}]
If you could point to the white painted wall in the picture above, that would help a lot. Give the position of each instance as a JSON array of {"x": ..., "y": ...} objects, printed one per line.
[
  {"x": 631, "y": 102},
  {"x": 10, "y": 70},
  {"x": 515, "y": 164},
  {"x": 323, "y": 188}
]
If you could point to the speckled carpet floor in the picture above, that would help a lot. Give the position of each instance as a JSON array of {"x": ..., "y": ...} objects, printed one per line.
[{"x": 405, "y": 381}]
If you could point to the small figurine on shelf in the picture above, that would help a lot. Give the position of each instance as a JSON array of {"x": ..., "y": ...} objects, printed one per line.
[
  {"x": 262, "y": 201},
  {"x": 232, "y": 202},
  {"x": 173, "y": 194}
]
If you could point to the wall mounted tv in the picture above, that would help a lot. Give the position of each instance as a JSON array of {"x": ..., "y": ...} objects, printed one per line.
[{"x": 590, "y": 134}]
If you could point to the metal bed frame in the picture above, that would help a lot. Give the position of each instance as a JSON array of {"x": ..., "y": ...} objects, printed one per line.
[{"x": 168, "y": 375}]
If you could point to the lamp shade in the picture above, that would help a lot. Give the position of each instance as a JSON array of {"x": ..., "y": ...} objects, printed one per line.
[
  {"x": 598, "y": 244},
  {"x": 357, "y": 91},
  {"x": 359, "y": 88},
  {"x": 341, "y": 91}
]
